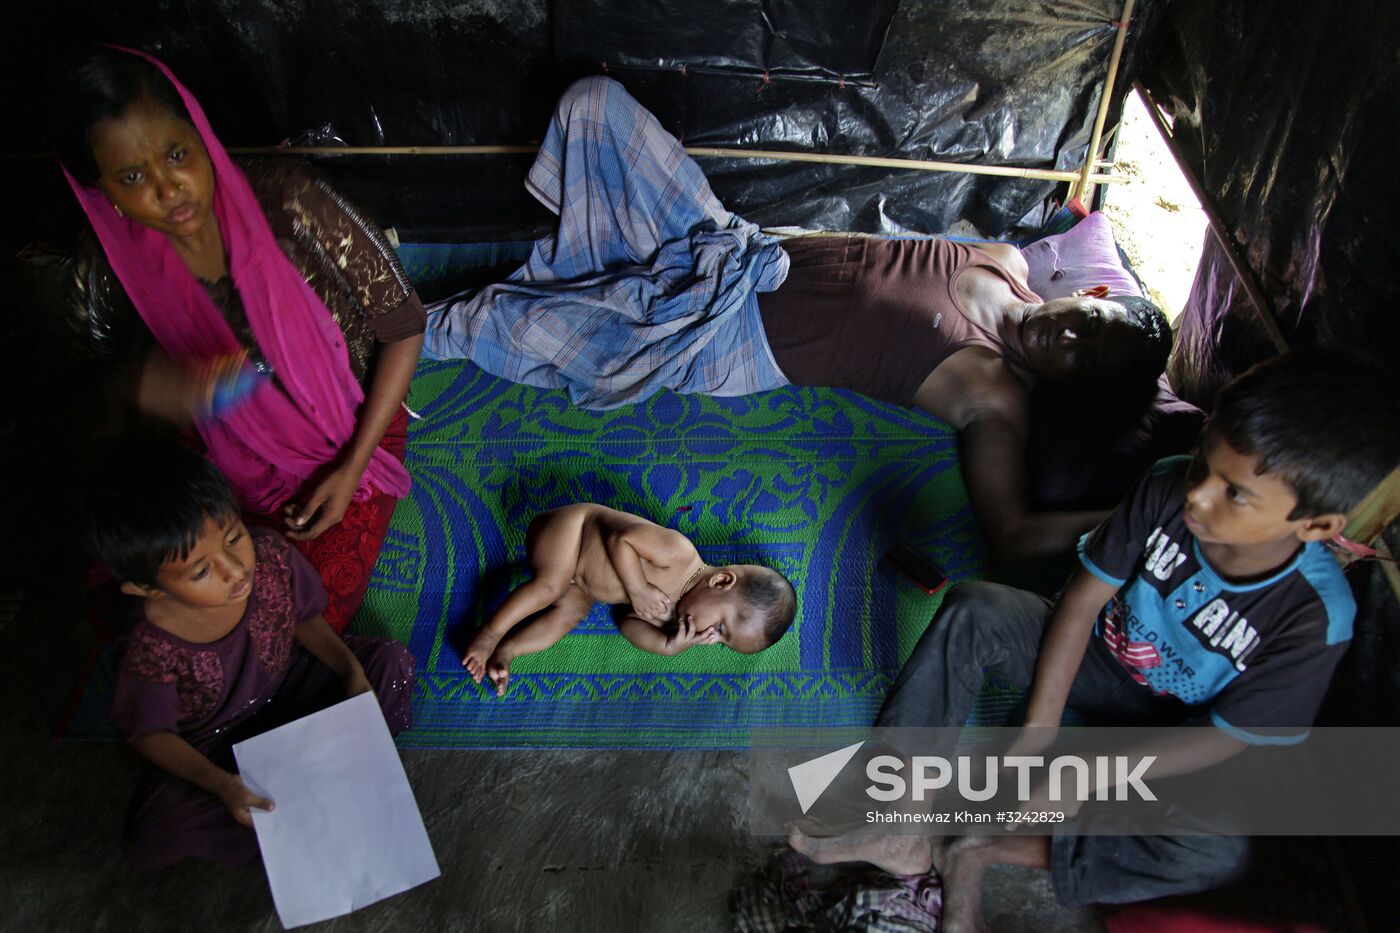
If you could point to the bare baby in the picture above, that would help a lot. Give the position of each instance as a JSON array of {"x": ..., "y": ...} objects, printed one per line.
[{"x": 586, "y": 553}]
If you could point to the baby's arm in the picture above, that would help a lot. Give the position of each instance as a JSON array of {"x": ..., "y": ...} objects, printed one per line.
[
  {"x": 178, "y": 757},
  {"x": 326, "y": 646},
  {"x": 651, "y": 638},
  {"x": 630, "y": 544}
]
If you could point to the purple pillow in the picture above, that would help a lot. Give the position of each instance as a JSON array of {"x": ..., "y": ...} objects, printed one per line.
[{"x": 1082, "y": 257}]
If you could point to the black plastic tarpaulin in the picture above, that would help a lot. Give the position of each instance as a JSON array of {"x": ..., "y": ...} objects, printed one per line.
[
  {"x": 1289, "y": 116},
  {"x": 814, "y": 40},
  {"x": 1009, "y": 83}
]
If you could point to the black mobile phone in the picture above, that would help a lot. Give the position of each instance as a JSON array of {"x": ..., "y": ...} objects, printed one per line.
[{"x": 919, "y": 567}]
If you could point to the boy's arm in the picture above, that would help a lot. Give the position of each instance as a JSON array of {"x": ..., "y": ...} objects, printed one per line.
[
  {"x": 330, "y": 649},
  {"x": 1184, "y": 751},
  {"x": 174, "y": 755},
  {"x": 648, "y": 637},
  {"x": 1177, "y": 752},
  {"x": 1061, "y": 652},
  {"x": 628, "y": 546}
]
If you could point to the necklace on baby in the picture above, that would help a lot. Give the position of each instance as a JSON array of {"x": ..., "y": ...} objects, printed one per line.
[{"x": 693, "y": 577}]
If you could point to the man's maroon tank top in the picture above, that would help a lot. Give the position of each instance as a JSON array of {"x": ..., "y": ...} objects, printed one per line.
[{"x": 873, "y": 314}]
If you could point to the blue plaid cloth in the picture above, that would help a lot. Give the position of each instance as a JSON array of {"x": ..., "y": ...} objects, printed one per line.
[{"x": 648, "y": 283}]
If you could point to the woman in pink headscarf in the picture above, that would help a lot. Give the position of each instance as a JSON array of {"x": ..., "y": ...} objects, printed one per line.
[{"x": 252, "y": 300}]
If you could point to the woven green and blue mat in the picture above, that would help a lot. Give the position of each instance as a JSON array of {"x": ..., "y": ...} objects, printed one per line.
[{"x": 817, "y": 483}]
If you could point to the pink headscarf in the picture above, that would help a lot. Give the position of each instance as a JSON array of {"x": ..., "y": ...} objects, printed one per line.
[{"x": 275, "y": 442}]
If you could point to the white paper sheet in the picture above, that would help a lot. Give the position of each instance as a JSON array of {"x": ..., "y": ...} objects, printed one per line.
[{"x": 346, "y": 831}]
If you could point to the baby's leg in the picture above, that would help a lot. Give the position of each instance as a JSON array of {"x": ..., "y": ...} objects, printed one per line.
[
  {"x": 538, "y": 635},
  {"x": 551, "y": 545}
]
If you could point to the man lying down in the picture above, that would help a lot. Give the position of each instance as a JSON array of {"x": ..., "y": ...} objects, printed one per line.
[{"x": 650, "y": 284}]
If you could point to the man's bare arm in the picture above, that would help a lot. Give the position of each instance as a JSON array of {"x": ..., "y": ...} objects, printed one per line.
[
  {"x": 994, "y": 467},
  {"x": 990, "y": 410},
  {"x": 1009, "y": 258}
]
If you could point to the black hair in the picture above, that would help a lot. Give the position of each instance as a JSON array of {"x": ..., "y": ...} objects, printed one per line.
[
  {"x": 1323, "y": 421},
  {"x": 103, "y": 85},
  {"x": 147, "y": 502},
  {"x": 772, "y": 595},
  {"x": 1139, "y": 360},
  {"x": 1154, "y": 344},
  {"x": 1115, "y": 394}
]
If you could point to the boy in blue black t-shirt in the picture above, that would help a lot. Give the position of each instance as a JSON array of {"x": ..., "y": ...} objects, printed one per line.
[{"x": 1207, "y": 596}]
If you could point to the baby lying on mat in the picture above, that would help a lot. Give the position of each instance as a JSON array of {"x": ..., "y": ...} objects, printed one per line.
[{"x": 585, "y": 554}]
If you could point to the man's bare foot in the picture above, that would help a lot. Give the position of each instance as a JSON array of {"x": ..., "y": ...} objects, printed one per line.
[
  {"x": 479, "y": 652},
  {"x": 498, "y": 670},
  {"x": 898, "y": 855}
]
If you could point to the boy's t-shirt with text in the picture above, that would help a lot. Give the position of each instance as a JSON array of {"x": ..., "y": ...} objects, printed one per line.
[{"x": 1258, "y": 656}]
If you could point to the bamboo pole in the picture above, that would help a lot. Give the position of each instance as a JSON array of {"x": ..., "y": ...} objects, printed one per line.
[
  {"x": 384, "y": 150},
  {"x": 1218, "y": 228},
  {"x": 1369, "y": 520},
  {"x": 1009, "y": 171},
  {"x": 1085, "y": 187},
  {"x": 1373, "y": 514}
]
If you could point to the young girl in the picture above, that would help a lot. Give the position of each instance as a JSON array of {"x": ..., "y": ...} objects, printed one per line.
[
  {"x": 228, "y": 641},
  {"x": 286, "y": 327}
]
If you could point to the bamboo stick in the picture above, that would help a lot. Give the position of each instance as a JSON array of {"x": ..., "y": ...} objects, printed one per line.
[
  {"x": 384, "y": 150},
  {"x": 1009, "y": 171},
  {"x": 1084, "y": 189},
  {"x": 1217, "y": 227},
  {"x": 1373, "y": 514}
]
